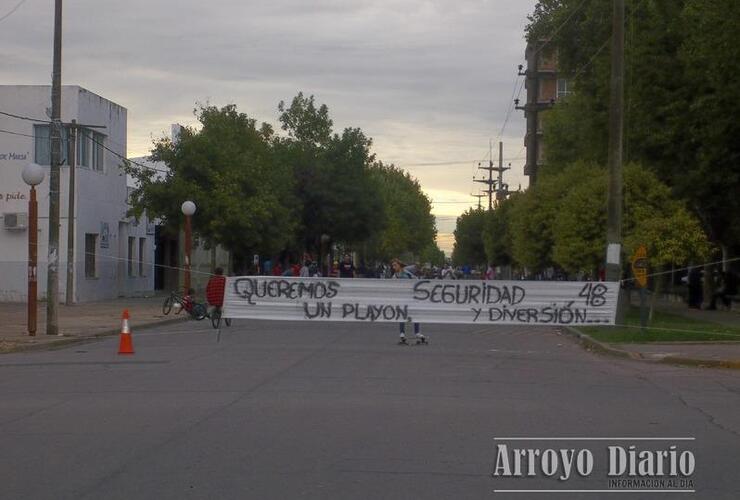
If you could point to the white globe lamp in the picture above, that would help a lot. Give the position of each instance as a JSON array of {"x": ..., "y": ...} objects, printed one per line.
[
  {"x": 188, "y": 208},
  {"x": 33, "y": 174}
]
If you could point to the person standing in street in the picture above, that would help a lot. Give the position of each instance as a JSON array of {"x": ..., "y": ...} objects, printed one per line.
[
  {"x": 490, "y": 272},
  {"x": 346, "y": 268},
  {"x": 696, "y": 289},
  {"x": 448, "y": 273},
  {"x": 400, "y": 272},
  {"x": 305, "y": 269},
  {"x": 277, "y": 270},
  {"x": 728, "y": 287}
]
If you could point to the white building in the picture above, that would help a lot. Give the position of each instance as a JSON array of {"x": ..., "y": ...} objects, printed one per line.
[{"x": 114, "y": 254}]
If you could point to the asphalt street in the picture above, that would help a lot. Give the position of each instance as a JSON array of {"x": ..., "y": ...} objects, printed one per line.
[{"x": 339, "y": 411}]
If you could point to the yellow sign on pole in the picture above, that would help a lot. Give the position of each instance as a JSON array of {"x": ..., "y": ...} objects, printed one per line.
[{"x": 640, "y": 266}]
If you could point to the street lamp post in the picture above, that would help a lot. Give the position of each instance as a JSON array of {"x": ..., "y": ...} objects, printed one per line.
[
  {"x": 188, "y": 209},
  {"x": 32, "y": 175}
]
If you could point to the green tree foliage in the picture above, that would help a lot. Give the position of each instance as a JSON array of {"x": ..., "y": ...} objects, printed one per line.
[
  {"x": 432, "y": 254},
  {"x": 680, "y": 107},
  {"x": 710, "y": 54},
  {"x": 652, "y": 217},
  {"x": 332, "y": 175},
  {"x": 497, "y": 232},
  {"x": 260, "y": 193},
  {"x": 578, "y": 226},
  {"x": 228, "y": 169},
  {"x": 533, "y": 214},
  {"x": 469, "y": 247},
  {"x": 408, "y": 227}
]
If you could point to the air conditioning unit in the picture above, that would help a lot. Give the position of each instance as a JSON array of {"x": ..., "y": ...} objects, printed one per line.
[{"x": 16, "y": 221}]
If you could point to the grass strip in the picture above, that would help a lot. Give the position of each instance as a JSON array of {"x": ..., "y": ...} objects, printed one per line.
[{"x": 665, "y": 327}]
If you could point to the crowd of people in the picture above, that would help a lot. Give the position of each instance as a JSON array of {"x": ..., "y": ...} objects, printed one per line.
[{"x": 346, "y": 268}]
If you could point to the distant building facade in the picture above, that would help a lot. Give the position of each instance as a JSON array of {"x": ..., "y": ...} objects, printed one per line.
[
  {"x": 113, "y": 253},
  {"x": 544, "y": 88}
]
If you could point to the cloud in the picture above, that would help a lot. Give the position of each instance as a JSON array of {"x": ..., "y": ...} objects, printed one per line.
[{"x": 429, "y": 80}]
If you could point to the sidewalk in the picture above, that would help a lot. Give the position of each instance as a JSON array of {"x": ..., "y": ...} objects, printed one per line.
[
  {"x": 704, "y": 354},
  {"x": 77, "y": 322}
]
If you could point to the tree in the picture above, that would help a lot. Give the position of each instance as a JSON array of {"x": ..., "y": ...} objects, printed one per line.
[
  {"x": 497, "y": 237},
  {"x": 709, "y": 55},
  {"x": 432, "y": 254},
  {"x": 533, "y": 214},
  {"x": 652, "y": 217},
  {"x": 469, "y": 248},
  {"x": 407, "y": 224},
  {"x": 578, "y": 228},
  {"x": 679, "y": 108},
  {"x": 331, "y": 173},
  {"x": 229, "y": 170}
]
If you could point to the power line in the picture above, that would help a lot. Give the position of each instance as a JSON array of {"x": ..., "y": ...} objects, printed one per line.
[
  {"x": 510, "y": 107},
  {"x": 606, "y": 42},
  {"x": 592, "y": 59},
  {"x": 461, "y": 162},
  {"x": 15, "y": 133},
  {"x": 21, "y": 117},
  {"x": 82, "y": 132},
  {"x": 115, "y": 153},
  {"x": 10, "y": 13},
  {"x": 557, "y": 30},
  {"x": 38, "y": 120},
  {"x": 436, "y": 163}
]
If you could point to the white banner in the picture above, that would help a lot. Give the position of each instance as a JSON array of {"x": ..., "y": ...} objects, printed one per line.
[{"x": 420, "y": 300}]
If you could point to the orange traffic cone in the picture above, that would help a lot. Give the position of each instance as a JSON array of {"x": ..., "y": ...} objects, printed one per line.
[{"x": 126, "y": 345}]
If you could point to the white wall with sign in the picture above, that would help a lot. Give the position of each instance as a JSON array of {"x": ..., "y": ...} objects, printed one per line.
[{"x": 101, "y": 199}]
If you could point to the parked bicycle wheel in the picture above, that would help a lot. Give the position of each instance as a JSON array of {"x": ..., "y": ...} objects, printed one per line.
[
  {"x": 167, "y": 305},
  {"x": 199, "y": 311},
  {"x": 216, "y": 318}
]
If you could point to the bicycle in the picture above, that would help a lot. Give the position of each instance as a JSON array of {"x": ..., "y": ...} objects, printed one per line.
[
  {"x": 196, "y": 310},
  {"x": 216, "y": 315}
]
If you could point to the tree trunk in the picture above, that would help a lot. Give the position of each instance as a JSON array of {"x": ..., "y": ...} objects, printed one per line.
[
  {"x": 708, "y": 283},
  {"x": 657, "y": 290}
]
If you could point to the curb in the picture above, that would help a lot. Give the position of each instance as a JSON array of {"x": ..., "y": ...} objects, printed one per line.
[
  {"x": 591, "y": 344},
  {"x": 68, "y": 340}
]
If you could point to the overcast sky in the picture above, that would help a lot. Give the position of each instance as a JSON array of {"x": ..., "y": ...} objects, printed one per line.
[{"x": 430, "y": 81}]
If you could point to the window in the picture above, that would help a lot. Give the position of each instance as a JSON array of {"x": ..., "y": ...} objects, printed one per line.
[
  {"x": 91, "y": 244},
  {"x": 131, "y": 246},
  {"x": 42, "y": 144},
  {"x": 98, "y": 154},
  {"x": 83, "y": 147},
  {"x": 548, "y": 90},
  {"x": 563, "y": 88},
  {"x": 142, "y": 253}
]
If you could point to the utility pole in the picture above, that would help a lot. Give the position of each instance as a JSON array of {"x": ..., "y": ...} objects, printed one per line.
[
  {"x": 71, "y": 159},
  {"x": 502, "y": 190},
  {"x": 52, "y": 286},
  {"x": 533, "y": 106},
  {"x": 614, "y": 195},
  {"x": 479, "y": 196},
  {"x": 489, "y": 182}
]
